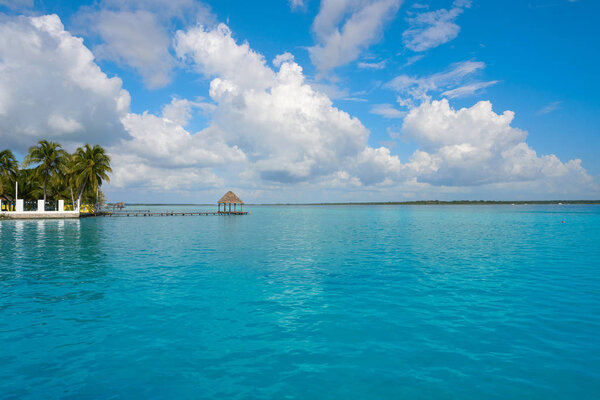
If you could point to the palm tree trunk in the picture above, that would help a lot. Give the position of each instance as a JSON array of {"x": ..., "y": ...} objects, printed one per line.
[{"x": 80, "y": 196}]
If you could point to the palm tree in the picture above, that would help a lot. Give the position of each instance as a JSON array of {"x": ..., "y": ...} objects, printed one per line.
[
  {"x": 8, "y": 168},
  {"x": 29, "y": 184},
  {"x": 49, "y": 155},
  {"x": 91, "y": 166},
  {"x": 64, "y": 183}
]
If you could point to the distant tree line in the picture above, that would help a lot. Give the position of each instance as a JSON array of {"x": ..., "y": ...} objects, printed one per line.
[{"x": 49, "y": 172}]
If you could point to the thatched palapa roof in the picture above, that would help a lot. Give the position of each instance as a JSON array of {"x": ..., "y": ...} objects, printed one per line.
[{"x": 230, "y": 198}]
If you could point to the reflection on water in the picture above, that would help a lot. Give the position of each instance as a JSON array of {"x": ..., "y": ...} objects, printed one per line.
[
  {"x": 41, "y": 251},
  {"x": 18, "y": 238}
]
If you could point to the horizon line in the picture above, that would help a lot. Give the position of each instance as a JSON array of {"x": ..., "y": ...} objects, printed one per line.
[{"x": 412, "y": 202}]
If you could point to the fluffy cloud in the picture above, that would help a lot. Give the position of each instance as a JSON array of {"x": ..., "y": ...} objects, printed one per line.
[
  {"x": 133, "y": 173},
  {"x": 476, "y": 146},
  {"x": 167, "y": 144},
  {"x": 377, "y": 166},
  {"x": 51, "y": 87},
  {"x": 215, "y": 53},
  {"x": 162, "y": 153},
  {"x": 289, "y": 131},
  {"x": 431, "y": 29},
  {"x": 363, "y": 22},
  {"x": 135, "y": 33}
]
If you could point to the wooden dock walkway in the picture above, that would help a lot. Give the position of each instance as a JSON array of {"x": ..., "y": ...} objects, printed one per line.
[{"x": 148, "y": 213}]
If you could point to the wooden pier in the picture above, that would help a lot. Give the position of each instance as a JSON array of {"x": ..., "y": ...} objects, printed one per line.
[
  {"x": 230, "y": 202},
  {"x": 149, "y": 213}
]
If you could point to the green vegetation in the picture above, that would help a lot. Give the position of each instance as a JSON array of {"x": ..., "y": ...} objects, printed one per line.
[
  {"x": 9, "y": 168},
  {"x": 49, "y": 157},
  {"x": 90, "y": 166},
  {"x": 55, "y": 174}
]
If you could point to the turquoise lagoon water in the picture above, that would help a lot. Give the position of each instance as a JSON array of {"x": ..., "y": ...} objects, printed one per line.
[{"x": 305, "y": 302}]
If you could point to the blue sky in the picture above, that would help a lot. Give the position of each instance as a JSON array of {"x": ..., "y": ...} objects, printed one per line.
[{"x": 373, "y": 100}]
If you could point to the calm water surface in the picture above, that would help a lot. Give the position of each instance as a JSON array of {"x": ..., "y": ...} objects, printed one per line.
[{"x": 356, "y": 302}]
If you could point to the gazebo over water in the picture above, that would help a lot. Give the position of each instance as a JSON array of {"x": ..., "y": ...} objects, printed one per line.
[{"x": 228, "y": 200}]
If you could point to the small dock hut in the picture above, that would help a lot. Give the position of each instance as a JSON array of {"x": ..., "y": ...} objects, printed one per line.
[{"x": 230, "y": 202}]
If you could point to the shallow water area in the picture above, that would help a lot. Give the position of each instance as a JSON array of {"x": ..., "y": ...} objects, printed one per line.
[{"x": 304, "y": 302}]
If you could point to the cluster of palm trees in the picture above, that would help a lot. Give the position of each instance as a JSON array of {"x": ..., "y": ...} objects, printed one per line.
[{"x": 55, "y": 174}]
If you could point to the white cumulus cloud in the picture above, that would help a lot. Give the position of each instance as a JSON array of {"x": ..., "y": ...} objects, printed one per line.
[
  {"x": 289, "y": 131},
  {"x": 362, "y": 23},
  {"x": 164, "y": 147},
  {"x": 51, "y": 87},
  {"x": 215, "y": 53},
  {"x": 476, "y": 146}
]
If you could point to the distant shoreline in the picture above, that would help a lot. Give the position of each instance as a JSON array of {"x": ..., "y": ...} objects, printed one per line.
[{"x": 400, "y": 203}]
